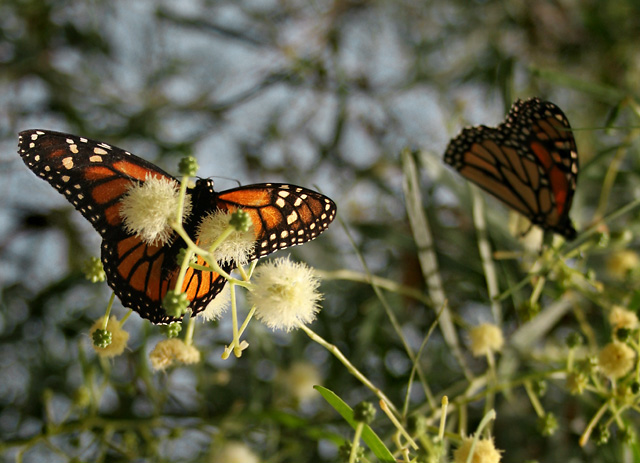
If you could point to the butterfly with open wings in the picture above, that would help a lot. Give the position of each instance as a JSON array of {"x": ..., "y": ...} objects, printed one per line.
[{"x": 95, "y": 177}]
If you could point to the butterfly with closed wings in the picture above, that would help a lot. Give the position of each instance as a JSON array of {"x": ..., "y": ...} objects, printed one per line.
[
  {"x": 96, "y": 176},
  {"x": 529, "y": 162}
]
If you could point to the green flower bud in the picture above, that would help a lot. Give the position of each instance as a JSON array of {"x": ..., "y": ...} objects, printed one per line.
[
  {"x": 188, "y": 166},
  {"x": 548, "y": 424},
  {"x": 175, "y": 304},
  {"x": 102, "y": 338},
  {"x": 574, "y": 340},
  {"x": 240, "y": 220},
  {"x": 344, "y": 452},
  {"x": 93, "y": 270},
  {"x": 364, "y": 412},
  {"x": 172, "y": 330}
]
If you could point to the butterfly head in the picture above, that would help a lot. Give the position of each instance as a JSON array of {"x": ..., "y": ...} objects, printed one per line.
[{"x": 204, "y": 184}]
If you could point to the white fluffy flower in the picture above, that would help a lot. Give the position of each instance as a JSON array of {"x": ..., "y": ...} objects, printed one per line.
[
  {"x": 217, "y": 306},
  {"x": 616, "y": 359},
  {"x": 485, "y": 338},
  {"x": 147, "y": 208},
  {"x": 119, "y": 337},
  {"x": 484, "y": 452},
  {"x": 234, "y": 452},
  {"x": 170, "y": 351},
  {"x": 285, "y": 294},
  {"x": 623, "y": 318},
  {"x": 234, "y": 248}
]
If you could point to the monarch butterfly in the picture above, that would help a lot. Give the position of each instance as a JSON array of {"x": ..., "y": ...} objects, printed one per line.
[
  {"x": 95, "y": 176},
  {"x": 530, "y": 162}
]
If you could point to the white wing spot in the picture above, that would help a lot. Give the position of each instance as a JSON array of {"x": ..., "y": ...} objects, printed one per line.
[
  {"x": 99, "y": 151},
  {"x": 95, "y": 158},
  {"x": 312, "y": 226},
  {"x": 304, "y": 196},
  {"x": 32, "y": 145},
  {"x": 284, "y": 234},
  {"x": 36, "y": 158},
  {"x": 283, "y": 194},
  {"x": 104, "y": 145},
  {"x": 297, "y": 202},
  {"x": 83, "y": 140},
  {"x": 272, "y": 237},
  {"x": 73, "y": 149},
  {"x": 47, "y": 168},
  {"x": 292, "y": 217},
  {"x": 68, "y": 162},
  {"x": 80, "y": 196},
  {"x": 280, "y": 202},
  {"x": 34, "y": 136},
  {"x": 65, "y": 178}
]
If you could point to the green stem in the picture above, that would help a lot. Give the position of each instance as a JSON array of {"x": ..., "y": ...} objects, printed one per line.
[
  {"x": 492, "y": 381},
  {"x": 397, "y": 424},
  {"x": 443, "y": 417},
  {"x": 183, "y": 193},
  {"x": 223, "y": 236},
  {"x": 246, "y": 321},
  {"x": 350, "y": 367},
  {"x": 107, "y": 312},
  {"x": 533, "y": 398},
  {"x": 183, "y": 269},
  {"x": 126, "y": 317},
  {"x": 488, "y": 417},
  {"x": 592, "y": 424},
  {"x": 356, "y": 443},
  {"x": 188, "y": 338}
]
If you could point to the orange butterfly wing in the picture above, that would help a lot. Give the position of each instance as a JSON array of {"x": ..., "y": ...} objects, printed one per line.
[
  {"x": 530, "y": 162},
  {"x": 283, "y": 215},
  {"x": 94, "y": 177}
]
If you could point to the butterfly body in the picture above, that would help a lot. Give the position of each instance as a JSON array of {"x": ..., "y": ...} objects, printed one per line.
[
  {"x": 95, "y": 176},
  {"x": 529, "y": 162}
]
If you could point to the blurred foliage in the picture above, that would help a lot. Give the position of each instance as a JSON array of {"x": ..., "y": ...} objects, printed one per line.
[{"x": 322, "y": 93}]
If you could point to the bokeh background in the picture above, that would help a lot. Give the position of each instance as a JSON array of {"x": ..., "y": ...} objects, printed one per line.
[{"x": 324, "y": 94}]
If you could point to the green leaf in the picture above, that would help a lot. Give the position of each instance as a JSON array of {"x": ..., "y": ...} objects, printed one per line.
[{"x": 368, "y": 436}]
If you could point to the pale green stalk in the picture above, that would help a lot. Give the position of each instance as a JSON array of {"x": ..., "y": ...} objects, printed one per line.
[
  {"x": 350, "y": 367},
  {"x": 107, "y": 313},
  {"x": 356, "y": 442},
  {"x": 397, "y": 424}
]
